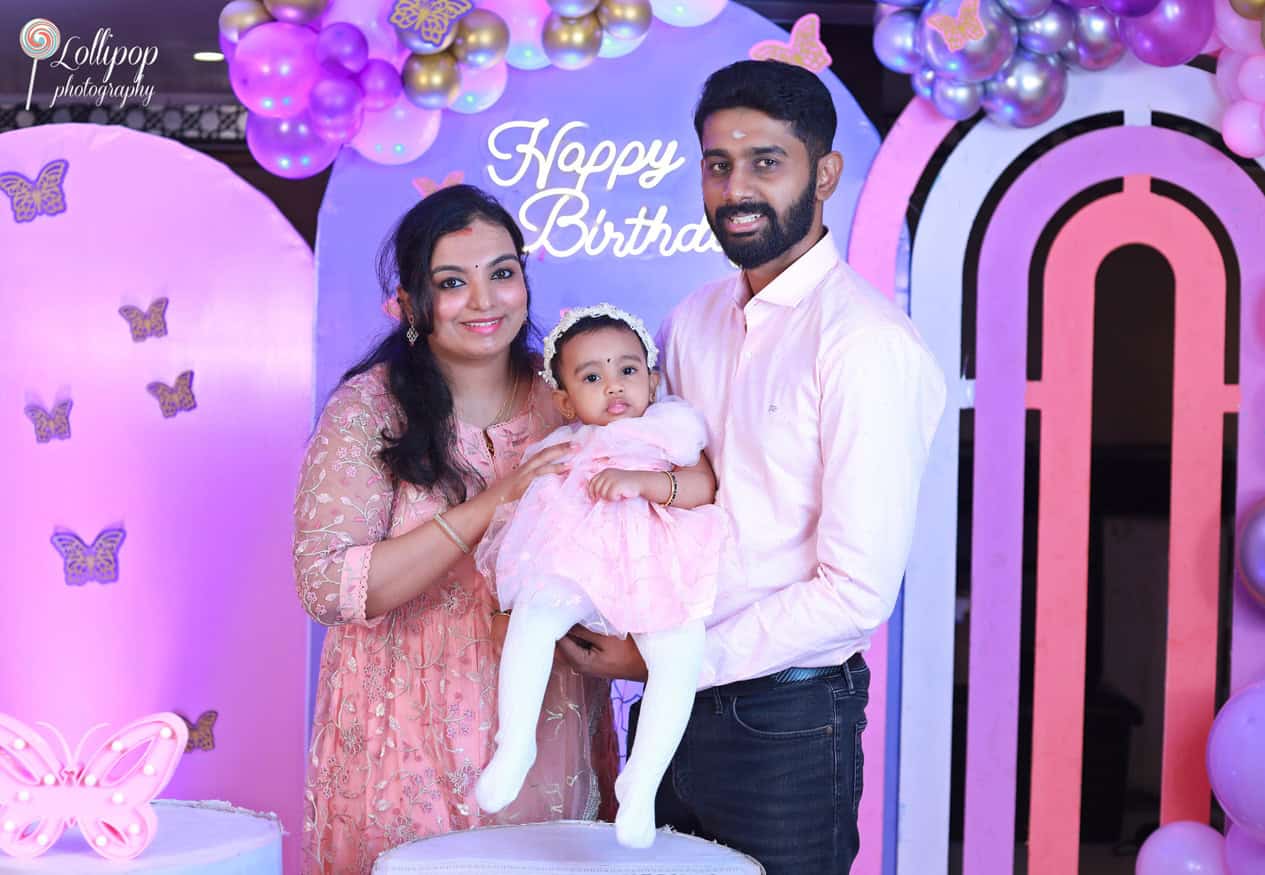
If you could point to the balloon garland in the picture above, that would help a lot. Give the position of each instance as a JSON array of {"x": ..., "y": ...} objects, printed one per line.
[{"x": 378, "y": 75}]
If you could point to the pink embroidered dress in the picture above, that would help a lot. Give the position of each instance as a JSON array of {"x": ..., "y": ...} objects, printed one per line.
[
  {"x": 406, "y": 704},
  {"x": 645, "y": 567}
]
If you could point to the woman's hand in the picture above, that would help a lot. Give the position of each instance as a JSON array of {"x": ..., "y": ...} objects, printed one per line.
[
  {"x": 615, "y": 484},
  {"x": 550, "y": 460}
]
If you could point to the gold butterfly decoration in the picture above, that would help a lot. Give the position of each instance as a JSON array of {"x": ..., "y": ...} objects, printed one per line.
[
  {"x": 82, "y": 563},
  {"x": 50, "y": 425},
  {"x": 805, "y": 48},
  {"x": 430, "y": 18},
  {"x": 146, "y": 323},
  {"x": 201, "y": 733},
  {"x": 173, "y": 399},
  {"x": 426, "y": 186},
  {"x": 44, "y": 196},
  {"x": 961, "y": 29}
]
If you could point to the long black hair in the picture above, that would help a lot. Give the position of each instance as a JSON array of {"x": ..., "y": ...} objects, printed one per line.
[{"x": 423, "y": 453}]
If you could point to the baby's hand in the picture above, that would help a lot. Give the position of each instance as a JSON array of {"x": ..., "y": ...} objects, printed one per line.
[{"x": 614, "y": 484}]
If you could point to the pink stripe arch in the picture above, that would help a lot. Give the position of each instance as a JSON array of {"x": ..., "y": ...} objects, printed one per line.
[{"x": 1001, "y": 398}]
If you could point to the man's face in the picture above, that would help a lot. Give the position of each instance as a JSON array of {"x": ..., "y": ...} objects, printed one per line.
[{"x": 759, "y": 187}]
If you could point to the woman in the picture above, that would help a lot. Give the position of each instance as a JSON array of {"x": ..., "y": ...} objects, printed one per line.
[{"x": 412, "y": 455}]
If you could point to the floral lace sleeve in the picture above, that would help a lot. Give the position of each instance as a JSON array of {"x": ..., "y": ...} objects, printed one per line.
[{"x": 343, "y": 507}]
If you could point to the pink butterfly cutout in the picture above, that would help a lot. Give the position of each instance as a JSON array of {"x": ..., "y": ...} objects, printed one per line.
[
  {"x": 107, "y": 794},
  {"x": 426, "y": 186},
  {"x": 805, "y": 48},
  {"x": 961, "y": 29}
]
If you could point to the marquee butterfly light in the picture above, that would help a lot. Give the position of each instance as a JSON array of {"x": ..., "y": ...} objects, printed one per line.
[{"x": 43, "y": 790}]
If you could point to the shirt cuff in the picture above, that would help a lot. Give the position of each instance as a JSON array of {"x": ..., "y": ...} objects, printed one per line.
[{"x": 353, "y": 587}]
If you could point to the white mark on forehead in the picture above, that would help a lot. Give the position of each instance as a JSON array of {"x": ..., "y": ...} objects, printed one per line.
[{"x": 739, "y": 135}]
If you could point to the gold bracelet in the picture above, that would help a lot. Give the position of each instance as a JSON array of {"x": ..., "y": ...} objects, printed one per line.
[
  {"x": 451, "y": 533},
  {"x": 672, "y": 490}
]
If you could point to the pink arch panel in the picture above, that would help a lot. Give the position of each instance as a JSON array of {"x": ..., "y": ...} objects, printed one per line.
[{"x": 1001, "y": 398}]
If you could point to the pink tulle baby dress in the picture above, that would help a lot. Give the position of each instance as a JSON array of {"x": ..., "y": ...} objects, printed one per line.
[{"x": 645, "y": 567}]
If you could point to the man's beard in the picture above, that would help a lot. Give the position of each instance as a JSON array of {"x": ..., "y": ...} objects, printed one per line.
[{"x": 780, "y": 235}]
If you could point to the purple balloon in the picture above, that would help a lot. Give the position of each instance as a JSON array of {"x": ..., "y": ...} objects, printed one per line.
[
  {"x": 1244, "y": 855},
  {"x": 343, "y": 44},
  {"x": 1236, "y": 759},
  {"x": 1249, "y": 547},
  {"x": 288, "y": 147},
  {"x": 976, "y": 60},
  {"x": 227, "y": 49},
  {"x": 1081, "y": 4},
  {"x": 274, "y": 68},
  {"x": 381, "y": 84},
  {"x": 1182, "y": 848},
  {"x": 336, "y": 106},
  {"x": 1170, "y": 34},
  {"x": 1130, "y": 8}
]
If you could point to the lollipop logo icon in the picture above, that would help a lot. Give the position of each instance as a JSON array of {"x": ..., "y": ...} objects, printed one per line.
[{"x": 39, "y": 40}]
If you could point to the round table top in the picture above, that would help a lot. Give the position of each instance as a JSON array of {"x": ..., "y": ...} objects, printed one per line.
[{"x": 562, "y": 847}]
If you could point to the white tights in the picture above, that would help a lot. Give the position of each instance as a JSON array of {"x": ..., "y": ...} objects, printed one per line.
[{"x": 673, "y": 659}]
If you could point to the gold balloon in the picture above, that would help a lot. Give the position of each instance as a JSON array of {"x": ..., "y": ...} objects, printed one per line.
[
  {"x": 413, "y": 40},
  {"x": 625, "y": 19},
  {"x": 571, "y": 43},
  {"x": 1253, "y": 9},
  {"x": 573, "y": 8},
  {"x": 240, "y": 16},
  {"x": 482, "y": 38},
  {"x": 431, "y": 81},
  {"x": 296, "y": 11}
]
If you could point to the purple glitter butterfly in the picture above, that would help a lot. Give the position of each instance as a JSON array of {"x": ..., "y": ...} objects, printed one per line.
[
  {"x": 49, "y": 425},
  {"x": 100, "y": 562},
  {"x": 43, "y": 196}
]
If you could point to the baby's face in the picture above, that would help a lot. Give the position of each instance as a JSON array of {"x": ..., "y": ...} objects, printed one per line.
[{"x": 604, "y": 377}]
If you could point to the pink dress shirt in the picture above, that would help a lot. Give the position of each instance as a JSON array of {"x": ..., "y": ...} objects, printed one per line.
[{"x": 821, "y": 402}]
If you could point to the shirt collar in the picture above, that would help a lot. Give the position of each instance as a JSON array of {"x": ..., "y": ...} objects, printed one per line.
[{"x": 792, "y": 284}]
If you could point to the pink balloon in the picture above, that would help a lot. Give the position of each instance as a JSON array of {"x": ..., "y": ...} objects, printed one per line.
[
  {"x": 481, "y": 88},
  {"x": 288, "y": 147},
  {"x": 1183, "y": 848},
  {"x": 1238, "y": 33},
  {"x": 1228, "y": 66},
  {"x": 1244, "y": 855},
  {"x": 274, "y": 68},
  {"x": 1213, "y": 45},
  {"x": 1241, "y": 128},
  {"x": 1236, "y": 744},
  {"x": 398, "y": 134},
  {"x": 1251, "y": 78},
  {"x": 1170, "y": 34}
]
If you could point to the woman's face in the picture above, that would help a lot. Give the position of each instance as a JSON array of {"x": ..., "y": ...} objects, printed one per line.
[{"x": 479, "y": 293}]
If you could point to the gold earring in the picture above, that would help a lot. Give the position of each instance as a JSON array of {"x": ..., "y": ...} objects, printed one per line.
[{"x": 411, "y": 334}]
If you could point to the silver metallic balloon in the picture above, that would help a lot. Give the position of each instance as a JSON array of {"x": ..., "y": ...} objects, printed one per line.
[
  {"x": 1027, "y": 91},
  {"x": 1098, "y": 42},
  {"x": 894, "y": 41},
  {"x": 1026, "y": 9},
  {"x": 956, "y": 100},
  {"x": 975, "y": 59},
  {"x": 1050, "y": 32},
  {"x": 923, "y": 82}
]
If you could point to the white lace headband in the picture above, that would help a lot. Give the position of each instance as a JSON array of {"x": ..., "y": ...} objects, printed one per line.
[{"x": 574, "y": 315}]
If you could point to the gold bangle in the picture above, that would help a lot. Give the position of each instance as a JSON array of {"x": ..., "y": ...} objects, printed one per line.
[
  {"x": 672, "y": 489},
  {"x": 451, "y": 533}
]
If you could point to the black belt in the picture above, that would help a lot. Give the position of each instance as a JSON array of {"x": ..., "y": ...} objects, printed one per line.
[{"x": 855, "y": 663}]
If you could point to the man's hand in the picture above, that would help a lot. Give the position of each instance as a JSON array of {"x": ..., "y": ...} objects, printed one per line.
[
  {"x": 602, "y": 655},
  {"x": 615, "y": 484}
]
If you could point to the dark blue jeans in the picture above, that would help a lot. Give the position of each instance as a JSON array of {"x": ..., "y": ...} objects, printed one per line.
[{"x": 774, "y": 770}]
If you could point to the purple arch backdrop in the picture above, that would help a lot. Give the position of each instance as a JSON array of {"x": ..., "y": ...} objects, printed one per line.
[{"x": 601, "y": 169}]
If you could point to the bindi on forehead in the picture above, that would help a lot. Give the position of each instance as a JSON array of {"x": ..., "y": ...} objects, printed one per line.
[{"x": 739, "y": 135}]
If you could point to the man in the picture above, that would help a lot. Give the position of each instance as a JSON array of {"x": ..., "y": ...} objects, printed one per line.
[{"x": 821, "y": 403}]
